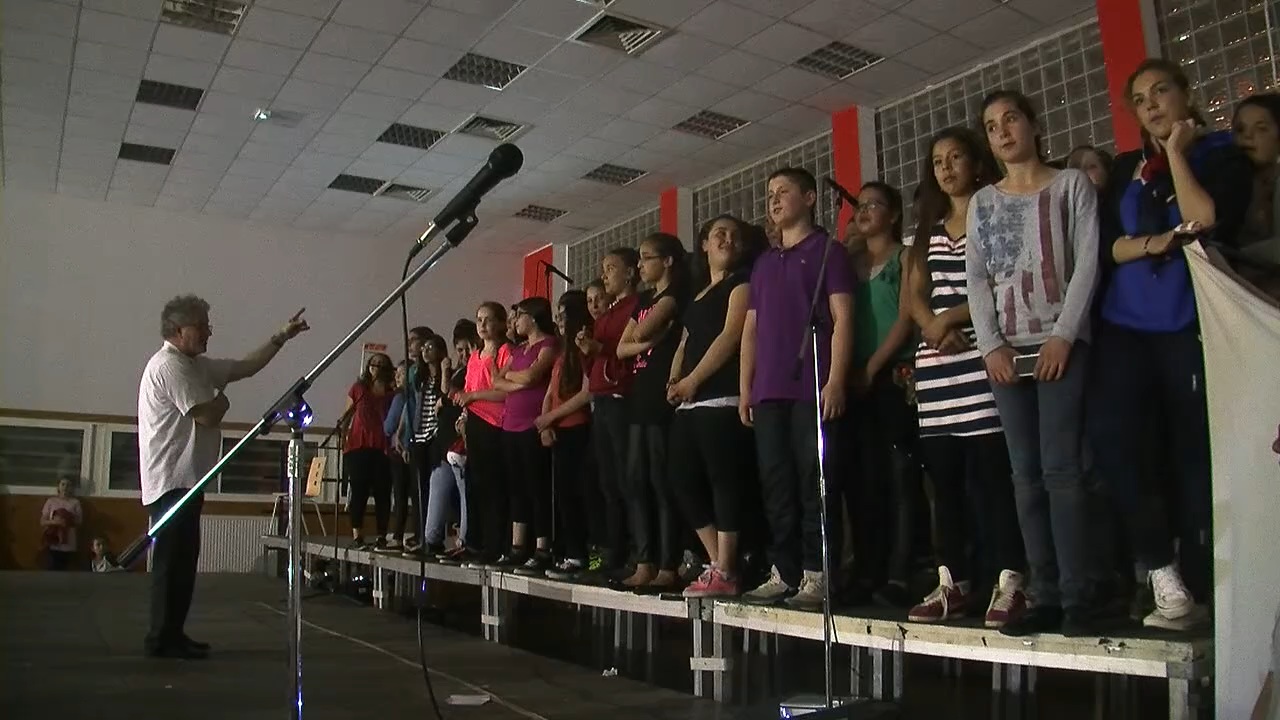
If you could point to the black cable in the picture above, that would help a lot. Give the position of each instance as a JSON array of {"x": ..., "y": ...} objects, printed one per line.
[{"x": 413, "y": 474}]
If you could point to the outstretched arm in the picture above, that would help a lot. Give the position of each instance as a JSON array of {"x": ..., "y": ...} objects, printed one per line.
[{"x": 253, "y": 363}]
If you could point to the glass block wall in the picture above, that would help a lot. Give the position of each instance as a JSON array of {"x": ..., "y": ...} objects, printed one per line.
[
  {"x": 586, "y": 254},
  {"x": 1063, "y": 75},
  {"x": 742, "y": 192},
  {"x": 1222, "y": 45}
]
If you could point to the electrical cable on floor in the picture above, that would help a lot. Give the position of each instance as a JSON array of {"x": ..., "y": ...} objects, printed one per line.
[{"x": 413, "y": 476}]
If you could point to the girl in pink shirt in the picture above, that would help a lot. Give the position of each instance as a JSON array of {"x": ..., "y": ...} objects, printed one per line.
[{"x": 486, "y": 481}]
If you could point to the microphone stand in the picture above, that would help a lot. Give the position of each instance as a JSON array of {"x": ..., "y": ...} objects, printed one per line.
[
  {"x": 292, "y": 410},
  {"x": 810, "y": 345}
]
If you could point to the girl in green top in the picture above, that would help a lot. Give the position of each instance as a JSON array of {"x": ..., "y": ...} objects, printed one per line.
[{"x": 886, "y": 489}]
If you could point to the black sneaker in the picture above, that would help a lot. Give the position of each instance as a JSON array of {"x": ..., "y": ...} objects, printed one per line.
[
  {"x": 536, "y": 565},
  {"x": 508, "y": 561},
  {"x": 1036, "y": 620},
  {"x": 567, "y": 570},
  {"x": 893, "y": 595},
  {"x": 1079, "y": 622},
  {"x": 392, "y": 547}
]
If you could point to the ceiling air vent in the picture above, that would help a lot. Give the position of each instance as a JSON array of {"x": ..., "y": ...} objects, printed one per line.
[
  {"x": 410, "y": 136},
  {"x": 404, "y": 192},
  {"x": 618, "y": 33},
  {"x": 541, "y": 213},
  {"x": 146, "y": 153},
  {"x": 174, "y": 96},
  {"x": 711, "y": 124},
  {"x": 355, "y": 183},
  {"x": 838, "y": 60},
  {"x": 484, "y": 71},
  {"x": 500, "y": 130},
  {"x": 615, "y": 175},
  {"x": 218, "y": 16}
]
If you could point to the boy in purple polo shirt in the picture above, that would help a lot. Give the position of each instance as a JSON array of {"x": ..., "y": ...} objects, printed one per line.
[{"x": 777, "y": 393}]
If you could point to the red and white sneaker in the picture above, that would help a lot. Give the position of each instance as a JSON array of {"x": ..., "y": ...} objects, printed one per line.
[
  {"x": 1008, "y": 600},
  {"x": 712, "y": 583},
  {"x": 948, "y": 601}
]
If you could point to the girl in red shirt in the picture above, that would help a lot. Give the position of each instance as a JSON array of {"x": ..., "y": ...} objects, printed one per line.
[{"x": 365, "y": 458}]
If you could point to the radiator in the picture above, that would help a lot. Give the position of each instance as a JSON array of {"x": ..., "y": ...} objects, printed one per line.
[{"x": 231, "y": 543}]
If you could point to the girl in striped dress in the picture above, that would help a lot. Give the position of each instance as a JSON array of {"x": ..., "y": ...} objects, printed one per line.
[{"x": 961, "y": 442}]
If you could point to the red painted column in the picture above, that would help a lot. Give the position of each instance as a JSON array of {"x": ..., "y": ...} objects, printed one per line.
[
  {"x": 846, "y": 160},
  {"x": 536, "y": 282},
  {"x": 669, "y": 211},
  {"x": 1123, "y": 49}
]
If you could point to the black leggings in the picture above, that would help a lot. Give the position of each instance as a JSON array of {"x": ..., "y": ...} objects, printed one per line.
[
  {"x": 886, "y": 492},
  {"x": 529, "y": 471},
  {"x": 369, "y": 474},
  {"x": 709, "y": 466},
  {"x": 488, "y": 522},
  {"x": 572, "y": 478},
  {"x": 609, "y": 436},
  {"x": 655, "y": 528},
  {"x": 971, "y": 479},
  {"x": 403, "y": 494}
]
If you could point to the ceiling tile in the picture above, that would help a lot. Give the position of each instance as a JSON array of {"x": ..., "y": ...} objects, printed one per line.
[
  {"x": 568, "y": 165},
  {"x": 88, "y": 106},
  {"x": 459, "y": 95},
  {"x": 799, "y": 118},
  {"x": 939, "y": 54},
  {"x": 355, "y": 43},
  {"x": 684, "y": 52},
  {"x": 445, "y": 27},
  {"x": 20, "y": 117},
  {"x": 889, "y": 76},
  {"x": 435, "y": 117},
  {"x": 210, "y": 145},
  {"x": 484, "y": 8},
  {"x": 268, "y": 152},
  {"x": 30, "y": 155},
  {"x": 390, "y": 16},
  {"x": 193, "y": 178},
  {"x": 627, "y": 132},
  {"x": 331, "y": 70},
  {"x": 110, "y": 58},
  {"x": 315, "y": 96},
  {"x": 321, "y": 162},
  {"x": 273, "y": 216},
  {"x": 286, "y": 192},
  {"x": 993, "y": 29},
  {"x": 33, "y": 177},
  {"x": 238, "y": 212},
  {"x": 283, "y": 136},
  {"x": 542, "y": 85},
  {"x": 397, "y": 83},
  {"x": 890, "y": 34},
  {"x": 45, "y": 48},
  {"x": 231, "y": 128},
  {"x": 180, "y": 71},
  {"x": 643, "y": 158},
  {"x": 142, "y": 9},
  {"x": 89, "y": 193},
  {"x": 835, "y": 18},
  {"x": 259, "y": 169},
  {"x": 776, "y": 8},
  {"x": 606, "y": 98},
  {"x": 750, "y": 105},
  {"x": 263, "y": 57},
  {"x": 596, "y": 149},
  {"x": 280, "y": 28},
  {"x": 553, "y": 17},
  {"x": 41, "y": 17},
  {"x": 312, "y": 8},
  {"x": 342, "y": 123},
  {"x": 294, "y": 177},
  {"x": 228, "y": 105},
  {"x": 391, "y": 155},
  {"x": 517, "y": 108},
  {"x": 163, "y": 118},
  {"x": 110, "y": 29},
  {"x": 421, "y": 57},
  {"x": 726, "y": 23},
  {"x": 673, "y": 142},
  {"x": 91, "y": 150},
  {"x": 177, "y": 202},
  {"x": 740, "y": 68},
  {"x": 245, "y": 186},
  {"x": 842, "y": 95},
  {"x": 642, "y": 77},
  {"x": 760, "y": 137},
  {"x": 698, "y": 91},
  {"x": 665, "y": 113},
  {"x": 192, "y": 44},
  {"x": 130, "y": 196},
  {"x": 101, "y": 84},
  {"x": 510, "y": 43},
  {"x": 581, "y": 60},
  {"x": 945, "y": 14},
  {"x": 94, "y": 128},
  {"x": 426, "y": 179},
  {"x": 575, "y": 123},
  {"x": 336, "y": 144},
  {"x": 248, "y": 83},
  {"x": 465, "y": 146},
  {"x": 785, "y": 42},
  {"x": 792, "y": 83},
  {"x": 1052, "y": 11},
  {"x": 663, "y": 12}
]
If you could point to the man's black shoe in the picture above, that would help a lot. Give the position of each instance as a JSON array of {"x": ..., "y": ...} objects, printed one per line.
[
  {"x": 1036, "y": 620},
  {"x": 196, "y": 644},
  {"x": 178, "y": 652}
]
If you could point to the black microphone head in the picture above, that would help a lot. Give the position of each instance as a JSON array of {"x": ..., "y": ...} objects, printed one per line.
[{"x": 506, "y": 160}]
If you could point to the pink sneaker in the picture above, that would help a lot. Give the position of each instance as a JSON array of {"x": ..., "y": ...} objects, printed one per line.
[
  {"x": 949, "y": 601},
  {"x": 712, "y": 583},
  {"x": 1007, "y": 600}
]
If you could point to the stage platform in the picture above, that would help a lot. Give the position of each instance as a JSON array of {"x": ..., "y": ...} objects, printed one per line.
[
  {"x": 71, "y": 648},
  {"x": 877, "y": 644}
]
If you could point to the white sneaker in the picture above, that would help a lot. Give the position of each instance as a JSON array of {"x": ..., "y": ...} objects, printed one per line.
[
  {"x": 1173, "y": 600},
  {"x": 812, "y": 592},
  {"x": 770, "y": 591}
]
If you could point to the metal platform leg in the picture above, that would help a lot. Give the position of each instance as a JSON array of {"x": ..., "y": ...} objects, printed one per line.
[
  {"x": 490, "y": 618},
  {"x": 899, "y": 669},
  {"x": 1182, "y": 700},
  {"x": 877, "y": 673},
  {"x": 855, "y": 672},
  {"x": 697, "y": 657},
  {"x": 377, "y": 587},
  {"x": 997, "y": 678},
  {"x": 719, "y": 688}
]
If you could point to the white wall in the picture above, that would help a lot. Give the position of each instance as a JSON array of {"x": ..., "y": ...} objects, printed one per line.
[{"x": 82, "y": 284}]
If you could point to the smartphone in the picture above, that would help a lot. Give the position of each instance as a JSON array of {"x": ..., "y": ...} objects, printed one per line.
[{"x": 1025, "y": 365}]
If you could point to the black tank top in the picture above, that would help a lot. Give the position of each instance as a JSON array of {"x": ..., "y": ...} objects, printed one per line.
[{"x": 704, "y": 320}]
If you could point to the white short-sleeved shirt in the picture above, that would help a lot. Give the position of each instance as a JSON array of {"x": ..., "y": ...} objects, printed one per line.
[{"x": 174, "y": 452}]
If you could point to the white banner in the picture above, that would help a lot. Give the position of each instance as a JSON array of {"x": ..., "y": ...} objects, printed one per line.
[{"x": 1241, "y": 335}]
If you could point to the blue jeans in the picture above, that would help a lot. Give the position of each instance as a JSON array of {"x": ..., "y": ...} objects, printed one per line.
[
  {"x": 1043, "y": 425},
  {"x": 446, "y": 483}
]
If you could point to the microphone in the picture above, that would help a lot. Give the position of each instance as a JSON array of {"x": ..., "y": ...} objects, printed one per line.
[
  {"x": 556, "y": 271},
  {"x": 504, "y": 161},
  {"x": 844, "y": 194}
]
